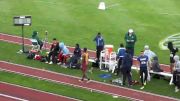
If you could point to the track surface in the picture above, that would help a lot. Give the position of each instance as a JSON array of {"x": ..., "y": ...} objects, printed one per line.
[
  {"x": 27, "y": 94},
  {"x": 93, "y": 85},
  {"x": 18, "y": 40}
]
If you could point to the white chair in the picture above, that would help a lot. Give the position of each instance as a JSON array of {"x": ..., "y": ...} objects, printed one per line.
[
  {"x": 35, "y": 45},
  {"x": 103, "y": 58},
  {"x": 112, "y": 61},
  {"x": 109, "y": 60}
]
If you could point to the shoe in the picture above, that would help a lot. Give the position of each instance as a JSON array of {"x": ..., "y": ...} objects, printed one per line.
[
  {"x": 144, "y": 82},
  {"x": 59, "y": 63},
  {"x": 142, "y": 87},
  {"x": 88, "y": 81},
  {"x": 176, "y": 89},
  {"x": 80, "y": 80},
  {"x": 46, "y": 62},
  {"x": 51, "y": 62}
]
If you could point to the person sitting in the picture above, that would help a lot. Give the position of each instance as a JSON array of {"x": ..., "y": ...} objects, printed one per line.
[
  {"x": 76, "y": 56},
  {"x": 63, "y": 54},
  {"x": 35, "y": 36},
  {"x": 155, "y": 65},
  {"x": 176, "y": 71},
  {"x": 150, "y": 55},
  {"x": 54, "y": 50}
]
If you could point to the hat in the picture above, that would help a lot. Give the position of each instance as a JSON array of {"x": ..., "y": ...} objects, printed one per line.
[
  {"x": 130, "y": 30},
  {"x": 146, "y": 47}
]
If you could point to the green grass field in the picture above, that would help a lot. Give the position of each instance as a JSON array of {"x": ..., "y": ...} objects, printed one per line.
[
  {"x": 157, "y": 86},
  {"x": 78, "y": 93},
  {"x": 77, "y": 21}
]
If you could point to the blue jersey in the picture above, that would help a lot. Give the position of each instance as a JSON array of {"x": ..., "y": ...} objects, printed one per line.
[
  {"x": 121, "y": 52},
  {"x": 143, "y": 60}
]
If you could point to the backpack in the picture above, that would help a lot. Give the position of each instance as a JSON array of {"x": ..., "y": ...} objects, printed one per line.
[{"x": 31, "y": 55}]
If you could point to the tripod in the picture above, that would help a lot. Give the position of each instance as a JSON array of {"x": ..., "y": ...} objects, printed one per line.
[{"x": 45, "y": 40}]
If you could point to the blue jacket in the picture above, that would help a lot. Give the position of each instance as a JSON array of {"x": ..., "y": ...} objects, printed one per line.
[
  {"x": 63, "y": 48},
  {"x": 121, "y": 52},
  {"x": 127, "y": 62},
  {"x": 99, "y": 41}
]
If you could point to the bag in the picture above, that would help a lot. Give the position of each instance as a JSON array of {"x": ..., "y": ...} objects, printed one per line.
[
  {"x": 37, "y": 57},
  {"x": 95, "y": 64},
  {"x": 30, "y": 55}
]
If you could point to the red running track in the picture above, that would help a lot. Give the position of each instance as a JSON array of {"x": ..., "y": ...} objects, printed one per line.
[
  {"x": 18, "y": 40},
  {"x": 93, "y": 85},
  {"x": 27, "y": 94}
]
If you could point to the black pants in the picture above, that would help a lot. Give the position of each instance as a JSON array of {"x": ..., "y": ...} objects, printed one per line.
[
  {"x": 74, "y": 60},
  {"x": 52, "y": 54},
  {"x": 126, "y": 73},
  {"x": 143, "y": 79},
  {"x": 119, "y": 69},
  {"x": 175, "y": 81},
  {"x": 131, "y": 51},
  {"x": 98, "y": 51}
]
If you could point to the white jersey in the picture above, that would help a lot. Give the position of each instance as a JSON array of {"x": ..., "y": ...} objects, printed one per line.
[{"x": 177, "y": 65}]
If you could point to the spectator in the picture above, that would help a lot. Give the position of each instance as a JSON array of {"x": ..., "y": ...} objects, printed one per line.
[
  {"x": 126, "y": 68},
  {"x": 63, "y": 54},
  {"x": 150, "y": 55},
  {"x": 130, "y": 39},
  {"x": 85, "y": 58},
  {"x": 120, "y": 54},
  {"x": 173, "y": 52},
  {"x": 99, "y": 45},
  {"x": 155, "y": 65},
  {"x": 143, "y": 60},
  {"x": 35, "y": 36},
  {"x": 76, "y": 56},
  {"x": 175, "y": 72},
  {"x": 54, "y": 50}
]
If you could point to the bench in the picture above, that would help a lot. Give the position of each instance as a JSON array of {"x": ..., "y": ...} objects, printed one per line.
[
  {"x": 159, "y": 73},
  {"x": 164, "y": 74}
]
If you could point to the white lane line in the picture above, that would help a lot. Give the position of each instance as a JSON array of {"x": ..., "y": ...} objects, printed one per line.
[
  {"x": 29, "y": 39},
  {"x": 73, "y": 85},
  {"x": 13, "y": 97},
  {"x": 91, "y": 80},
  {"x": 39, "y": 91}
]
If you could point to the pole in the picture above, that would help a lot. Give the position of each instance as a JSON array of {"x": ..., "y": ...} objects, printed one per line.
[
  {"x": 45, "y": 40},
  {"x": 23, "y": 38}
]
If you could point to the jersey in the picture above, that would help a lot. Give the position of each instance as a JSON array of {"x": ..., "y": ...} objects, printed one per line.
[{"x": 143, "y": 60}]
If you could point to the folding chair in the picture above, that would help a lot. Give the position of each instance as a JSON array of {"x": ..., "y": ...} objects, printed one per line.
[
  {"x": 109, "y": 60},
  {"x": 112, "y": 62},
  {"x": 35, "y": 45}
]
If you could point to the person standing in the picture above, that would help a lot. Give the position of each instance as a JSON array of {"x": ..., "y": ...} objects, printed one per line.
[
  {"x": 173, "y": 52},
  {"x": 35, "y": 36},
  {"x": 84, "y": 63},
  {"x": 130, "y": 39},
  {"x": 126, "y": 68},
  {"x": 120, "y": 55},
  {"x": 143, "y": 61},
  {"x": 99, "y": 45},
  {"x": 176, "y": 71}
]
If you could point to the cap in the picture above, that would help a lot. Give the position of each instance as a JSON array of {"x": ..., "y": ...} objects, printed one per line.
[
  {"x": 130, "y": 30},
  {"x": 146, "y": 47}
]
